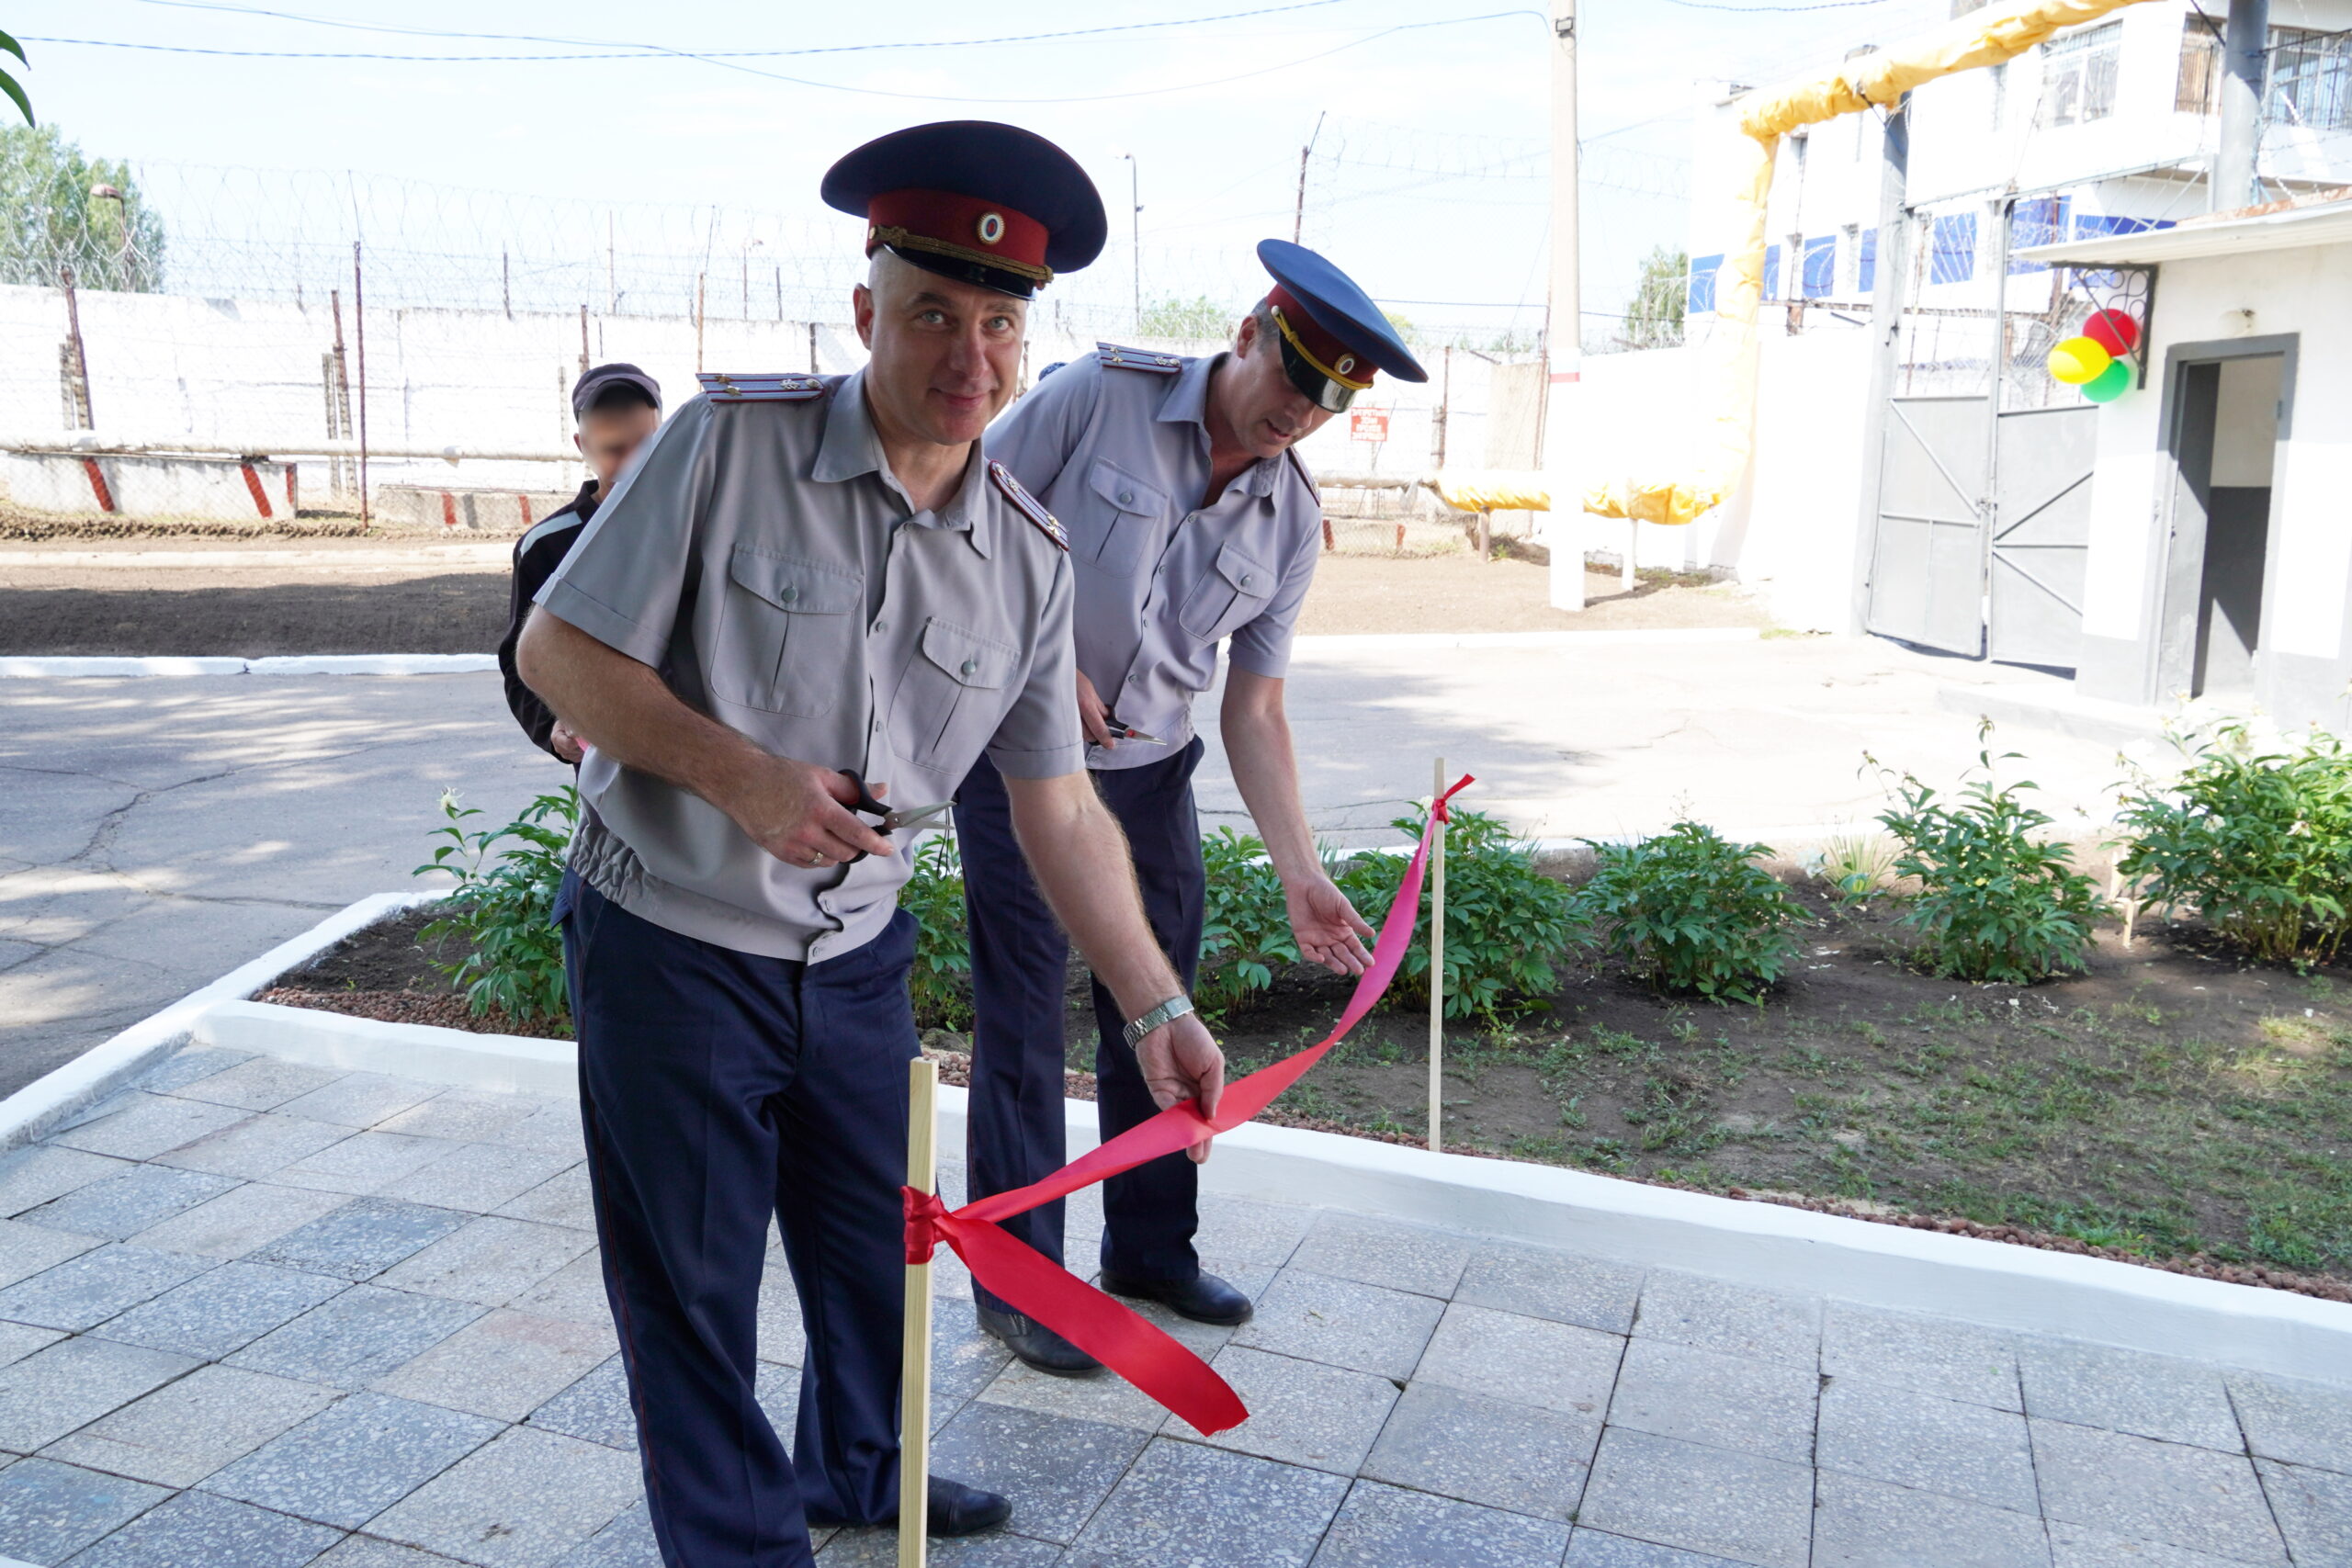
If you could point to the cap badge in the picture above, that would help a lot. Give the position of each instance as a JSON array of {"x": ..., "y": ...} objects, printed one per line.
[
  {"x": 1346, "y": 363},
  {"x": 990, "y": 228}
]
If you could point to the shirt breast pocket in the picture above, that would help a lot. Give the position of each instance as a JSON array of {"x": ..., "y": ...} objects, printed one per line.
[
  {"x": 1132, "y": 511},
  {"x": 787, "y": 635},
  {"x": 1235, "y": 589},
  {"x": 952, "y": 698}
]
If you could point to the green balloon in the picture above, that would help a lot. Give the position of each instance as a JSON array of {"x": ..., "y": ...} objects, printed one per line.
[{"x": 2110, "y": 383}]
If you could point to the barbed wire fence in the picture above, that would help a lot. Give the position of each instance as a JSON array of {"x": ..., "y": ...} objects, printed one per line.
[{"x": 251, "y": 311}]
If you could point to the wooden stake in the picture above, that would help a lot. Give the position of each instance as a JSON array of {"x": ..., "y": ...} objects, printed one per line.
[
  {"x": 914, "y": 1400},
  {"x": 1437, "y": 963}
]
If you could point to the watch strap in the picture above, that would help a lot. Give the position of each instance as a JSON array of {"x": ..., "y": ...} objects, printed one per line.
[{"x": 1174, "y": 1008}]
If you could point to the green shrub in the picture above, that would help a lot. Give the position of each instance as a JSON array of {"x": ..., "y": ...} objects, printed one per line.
[
  {"x": 1992, "y": 903},
  {"x": 1506, "y": 922},
  {"x": 2258, "y": 842},
  {"x": 941, "y": 980},
  {"x": 503, "y": 903},
  {"x": 1689, "y": 911},
  {"x": 1244, "y": 927}
]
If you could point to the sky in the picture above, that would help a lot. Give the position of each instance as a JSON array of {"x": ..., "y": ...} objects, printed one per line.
[{"x": 1427, "y": 185}]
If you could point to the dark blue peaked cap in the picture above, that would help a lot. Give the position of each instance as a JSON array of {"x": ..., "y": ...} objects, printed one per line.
[
  {"x": 1332, "y": 297},
  {"x": 989, "y": 204}
]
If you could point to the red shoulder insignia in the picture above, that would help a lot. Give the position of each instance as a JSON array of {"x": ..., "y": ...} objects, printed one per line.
[
  {"x": 1118, "y": 357},
  {"x": 747, "y": 388},
  {"x": 1027, "y": 505}
]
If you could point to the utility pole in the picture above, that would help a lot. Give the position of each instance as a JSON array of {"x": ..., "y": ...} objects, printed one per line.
[
  {"x": 1134, "y": 241},
  {"x": 1564, "y": 349},
  {"x": 2245, "y": 52},
  {"x": 1891, "y": 269},
  {"x": 1298, "y": 213}
]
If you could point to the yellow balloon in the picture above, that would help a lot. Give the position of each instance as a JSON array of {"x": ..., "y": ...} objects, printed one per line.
[{"x": 2079, "y": 359}]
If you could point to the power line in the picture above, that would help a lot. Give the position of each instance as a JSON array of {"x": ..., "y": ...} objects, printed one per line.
[{"x": 731, "y": 64}]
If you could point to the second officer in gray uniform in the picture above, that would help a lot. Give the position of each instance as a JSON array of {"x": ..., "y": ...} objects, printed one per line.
[{"x": 1192, "y": 521}]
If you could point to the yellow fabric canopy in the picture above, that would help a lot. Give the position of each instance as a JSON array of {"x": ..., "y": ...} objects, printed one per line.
[{"x": 1729, "y": 368}]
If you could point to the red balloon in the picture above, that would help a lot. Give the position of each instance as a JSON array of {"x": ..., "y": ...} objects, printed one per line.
[{"x": 2114, "y": 331}]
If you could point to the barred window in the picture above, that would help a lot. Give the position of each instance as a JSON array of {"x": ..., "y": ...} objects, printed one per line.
[
  {"x": 2311, "y": 79},
  {"x": 2078, "y": 75},
  {"x": 2199, "y": 91}
]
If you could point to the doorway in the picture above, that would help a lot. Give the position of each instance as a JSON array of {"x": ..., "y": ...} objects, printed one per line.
[{"x": 2229, "y": 415}]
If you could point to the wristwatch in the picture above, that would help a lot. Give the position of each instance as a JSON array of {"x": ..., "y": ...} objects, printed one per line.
[{"x": 1174, "y": 1008}]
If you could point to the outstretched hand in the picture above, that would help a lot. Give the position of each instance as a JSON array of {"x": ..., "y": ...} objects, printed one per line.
[{"x": 1326, "y": 928}]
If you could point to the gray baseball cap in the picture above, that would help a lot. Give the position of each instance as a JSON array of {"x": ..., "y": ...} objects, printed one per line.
[{"x": 619, "y": 373}]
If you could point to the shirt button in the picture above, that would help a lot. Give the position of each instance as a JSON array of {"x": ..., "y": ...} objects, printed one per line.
[
  {"x": 881, "y": 626},
  {"x": 1244, "y": 579},
  {"x": 790, "y": 594},
  {"x": 971, "y": 667},
  {"x": 1126, "y": 498},
  {"x": 1134, "y": 679}
]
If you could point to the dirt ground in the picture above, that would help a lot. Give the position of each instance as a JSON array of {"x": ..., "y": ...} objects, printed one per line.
[
  {"x": 257, "y": 594},
  {"x": 2172, "y": 1102}
]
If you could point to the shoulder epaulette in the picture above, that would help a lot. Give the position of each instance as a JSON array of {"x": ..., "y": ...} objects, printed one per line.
[
  {"x": 1304, "y": 473},
  {"x": 1119, "y": 358},
  {"x": 765, "y": 387},
  {"x": 1028, "y": 505}
]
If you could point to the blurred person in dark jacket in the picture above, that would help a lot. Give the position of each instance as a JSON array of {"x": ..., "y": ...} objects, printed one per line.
[{"x": 616, "y": 407}]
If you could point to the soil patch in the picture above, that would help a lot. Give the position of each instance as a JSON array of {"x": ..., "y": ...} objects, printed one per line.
[
  {"x": 453, "y": 613},
  {"x": 2174, "y": 1105}
]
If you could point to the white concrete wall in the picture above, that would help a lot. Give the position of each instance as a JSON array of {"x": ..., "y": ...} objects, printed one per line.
[
  {"x": 2301, "y": 291},
  {"x": 1790, "y": 529}
]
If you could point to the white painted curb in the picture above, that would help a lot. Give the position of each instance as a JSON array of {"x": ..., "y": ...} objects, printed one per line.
[
  {"x": 61, "y": 667},
  {"x": 97, "y": 1072},
  {"x": 1753, "y": 1242}
]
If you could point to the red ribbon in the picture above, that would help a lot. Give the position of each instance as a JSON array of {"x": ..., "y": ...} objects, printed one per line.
[{"x": 1105, "y": 1329}]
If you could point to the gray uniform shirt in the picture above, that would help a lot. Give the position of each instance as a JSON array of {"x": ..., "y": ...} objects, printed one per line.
[
  {"x": 1120, "y": 453},
  {"x": 761, "y": 556}
]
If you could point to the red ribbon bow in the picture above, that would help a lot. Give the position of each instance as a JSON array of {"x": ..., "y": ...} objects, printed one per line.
[{"x": 1104, "y": 1329}]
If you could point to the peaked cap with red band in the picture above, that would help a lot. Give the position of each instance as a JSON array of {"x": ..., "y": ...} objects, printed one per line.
[
  {"x": 1332, "y": 336},
  {"x": 970, "y": 199}
]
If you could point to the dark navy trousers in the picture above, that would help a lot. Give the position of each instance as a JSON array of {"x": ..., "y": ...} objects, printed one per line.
[
  {"x": 1014, "y": 1136},
  {"x": 718, "y": 1089}
]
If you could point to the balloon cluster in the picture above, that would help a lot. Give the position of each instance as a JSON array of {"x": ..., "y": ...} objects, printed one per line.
[{"x": 2096, "y": 361}]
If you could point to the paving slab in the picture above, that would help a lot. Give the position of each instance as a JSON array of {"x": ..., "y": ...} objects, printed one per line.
[
  {"x": 479, "y": 1178},
  {"x": 1488, "y": 1452},
  {"x": 575, "y": 1292},
  {"x": 26, "y": 1250},
  {"x": 259, "y": 1083},
  {"x": 1385, "y": 1253},
  {"x": 366, "y": 1161},
  {"x": 1385, "y": 1526},
  {"x": 488, "y": 1262},
  {"x": 2302, "y": 1423},
  {"x": 366, "y": 1551},
  {"x": 198, "y": 1528},
  {"x": 360, "y": 1239},
  {"x": 85, "y": 1291},
  {"x": 561, "y": 1200},
  {"x": 521, "y": 1501},
  {"x": 2129, "y": 1391},
  {"x": 879, "y": 1548},
  {"x": 627, "y": 1542},
  {"x": 358, "y": 1336},
  {"x": 2142, "y": 1489},
  {"x": 360, "y": 1099},
  {"x": 1301, "y": 1412},
  {"x": 504, "y": 1365},
  {"x": 1239, "y": 1231},
  {"x": 1908, "y": 1438},
  {"x": 1564, "y": 1286},
  {"x": 1341, "y": 1323},
  {"x": 240, "y": 1220},
  {"x": 1859, "y": 1523},
  {"x": 223, "y": 1310},
  {"x": 1738, "y": 1320},
  {"x": 1203, "y": 1508},
  {"x": 1107, "y": 1401},
  {"x": 1729, "y": 1401},
  {"x": 186, "y": 1431},
  {"x": 120, "y": 1205},
  {"x": 190, "y": 1062},
  {"x": 33, "y": 1176},
  {"x": 1941, "y": 1356},
  {"x": 468, "y": 1115},
  {"x": 49, "y": 1511},
  {"x": 1597, "y": 1548},
  {"x": 74, "y": 1381},
  {"x": 146, "y": 1125},
  {"x": 1715, "y": 1502},
  {"x": 258, "y": 1146},
  {"x": 354, "y": 1459},
  {"x": 2313, "y": 1509},
  {"x": 1527, "y": 1360},
  {"x": 1056, "y": 1472}
]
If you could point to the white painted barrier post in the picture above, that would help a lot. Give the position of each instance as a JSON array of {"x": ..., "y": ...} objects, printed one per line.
[
  {"x": 1437, "y": 960},
  {"x": 914, "y": 1399}
]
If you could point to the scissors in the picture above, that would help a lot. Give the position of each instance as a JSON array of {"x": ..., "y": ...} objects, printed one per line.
[
  {"x": 892, "y": 820},
  {"x": 1129, "y": 732}
]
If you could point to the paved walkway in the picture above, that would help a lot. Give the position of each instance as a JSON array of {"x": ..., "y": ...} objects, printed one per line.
[
  {"x": 156, "y": 833},
  {"x": 257, "y": 1315}
]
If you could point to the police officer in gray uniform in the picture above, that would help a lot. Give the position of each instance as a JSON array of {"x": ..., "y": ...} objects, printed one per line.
[
  {"x": 1191, "y": 522},
  {"x": 803, "y": 585}
]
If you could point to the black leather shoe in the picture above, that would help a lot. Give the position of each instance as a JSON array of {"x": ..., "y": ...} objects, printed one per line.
[
  {"x": 954, "y": 1509},
  {"x": 1205, "y": 1298},
  {"x": 1038, "y": 1346}
]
